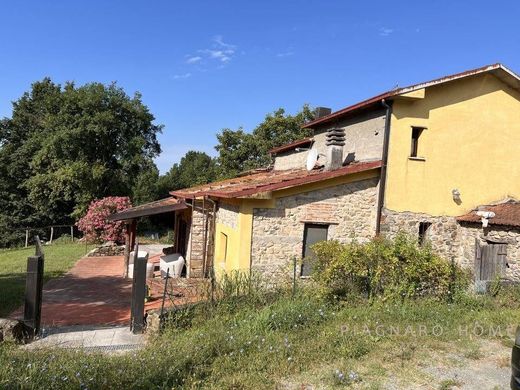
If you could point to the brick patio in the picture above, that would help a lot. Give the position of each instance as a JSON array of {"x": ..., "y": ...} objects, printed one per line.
[{"x": 94, "y": 292}]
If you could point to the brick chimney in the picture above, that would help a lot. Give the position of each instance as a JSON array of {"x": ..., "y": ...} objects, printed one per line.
[{"x": 335, "y": 139}]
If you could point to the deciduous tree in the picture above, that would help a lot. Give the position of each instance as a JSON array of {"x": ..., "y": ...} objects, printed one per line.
[{"x": 65, "y": 146}]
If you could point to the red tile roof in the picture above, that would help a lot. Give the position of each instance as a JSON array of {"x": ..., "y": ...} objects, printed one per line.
[
  {"x": 506, "y": 214},
  {"x": 270, "y": 181},
  {"x": 499, "y": 70},
  {"x": 292, "y": 145},
  {"x": 158, "y": 207}
]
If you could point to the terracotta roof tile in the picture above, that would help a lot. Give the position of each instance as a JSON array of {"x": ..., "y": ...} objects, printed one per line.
[
  {"x": 506, "y": 214},
  {"x": 270, "y": 181}
]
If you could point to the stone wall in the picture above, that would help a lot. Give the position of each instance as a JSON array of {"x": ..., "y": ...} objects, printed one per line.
[
  {"x": 442, "y": 234},
  {"x": 364, "y": 141},
  {"x": 510, "y": 235},
  {"x": 453, "y": 240},
  {"x": 348, "y": 209},
  {"x": 227, "y": 214}
]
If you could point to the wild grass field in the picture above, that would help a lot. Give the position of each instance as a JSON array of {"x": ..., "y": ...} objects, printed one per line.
[
  {"x": 279, "y": 341},
  {"x": 59, "y": 258},
  {"x": 385, "y": 329}
]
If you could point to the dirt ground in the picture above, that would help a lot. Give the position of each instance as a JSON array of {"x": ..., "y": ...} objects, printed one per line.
[{"x": 481, "y": 364}]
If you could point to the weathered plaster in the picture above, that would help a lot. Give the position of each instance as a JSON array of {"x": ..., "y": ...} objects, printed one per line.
[{"x": 364, "y": 141}]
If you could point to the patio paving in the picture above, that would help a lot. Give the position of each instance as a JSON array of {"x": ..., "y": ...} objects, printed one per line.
[
  {"x": 115, "y": 339},
  {"x": 93, "y": 292}
]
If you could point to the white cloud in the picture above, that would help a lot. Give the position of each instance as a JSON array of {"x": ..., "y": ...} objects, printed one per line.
[
  {"x": 384, "y": 31},
  {"x": 218, "y": 40},
  {"x": 193, "y": 59},
  {"x": 285, "y": 54},
  {"x": 182, "y": 76},
  {"x": 220, "y": 51},
  {"x": 219, "y": 55}
]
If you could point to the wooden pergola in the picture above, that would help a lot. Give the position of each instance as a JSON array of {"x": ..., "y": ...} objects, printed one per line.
[{"x": 131, "y": 215}]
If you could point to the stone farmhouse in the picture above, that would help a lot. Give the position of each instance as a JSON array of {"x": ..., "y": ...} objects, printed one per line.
[{"x": 438, "y": 160}]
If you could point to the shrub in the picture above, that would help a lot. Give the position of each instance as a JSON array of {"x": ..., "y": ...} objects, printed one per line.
[
  {"x": 63, "y": 239},
  {"x": 95, "y": 224},
  {"x": 382, "y": 267}
]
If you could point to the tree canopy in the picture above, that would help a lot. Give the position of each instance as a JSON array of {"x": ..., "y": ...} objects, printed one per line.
[
  {"x": 239, "y": 151},
  {"x": 65, "y": 146}
]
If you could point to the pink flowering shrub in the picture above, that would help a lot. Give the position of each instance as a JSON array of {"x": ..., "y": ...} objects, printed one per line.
[{"x": 95, "y": 224}]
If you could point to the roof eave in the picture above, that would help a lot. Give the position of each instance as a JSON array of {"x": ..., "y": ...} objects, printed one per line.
[{"x": 366, "y": 104}]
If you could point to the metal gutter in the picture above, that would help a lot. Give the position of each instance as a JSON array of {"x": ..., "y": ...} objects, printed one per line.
[{"x": 384, "y": 163}]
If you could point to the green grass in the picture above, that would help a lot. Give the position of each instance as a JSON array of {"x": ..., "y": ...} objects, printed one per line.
[
  {"x": 59, "y": 258},
  {"x": 277, "y": 341}
]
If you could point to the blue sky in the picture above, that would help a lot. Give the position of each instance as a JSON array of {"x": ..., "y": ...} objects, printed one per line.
[{"x": 206, "y": 65}]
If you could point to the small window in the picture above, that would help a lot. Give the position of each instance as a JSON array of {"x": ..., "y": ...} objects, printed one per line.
[
  {"x": 222, "y": 253},
  {"x": 416, "y": 133},
  {"x": 423, "y": 230},
  {"x": 312, "y": 234}
]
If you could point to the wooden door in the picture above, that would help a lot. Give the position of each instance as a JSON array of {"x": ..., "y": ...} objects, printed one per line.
[
  {"x": 181, "y": 243},
  {"x": 312, "y": 234},
  {"x": 490, "y": 260}
]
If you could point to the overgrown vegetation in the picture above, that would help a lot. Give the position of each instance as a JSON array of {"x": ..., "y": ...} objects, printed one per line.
[
  {"x": 388, "y": 268},
  {"x": 257, "y": 334},
  {"x": 59, "y": 258},
  {"x": 276, "y": 340}
]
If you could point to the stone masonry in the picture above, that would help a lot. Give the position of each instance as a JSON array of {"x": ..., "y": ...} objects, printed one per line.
[
  {"x": 453, "y": 240},
  {"x": 227, "y": 214},
  {"x": 348, "y": 209}
]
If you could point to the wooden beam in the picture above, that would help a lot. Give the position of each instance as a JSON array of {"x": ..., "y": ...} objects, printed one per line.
[
  {"x": 128, "y": 233},
  {"x": 133, "y": 232}
]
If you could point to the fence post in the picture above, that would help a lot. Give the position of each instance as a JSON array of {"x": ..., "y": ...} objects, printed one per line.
[
  {"x": 34, "y": 289},
  {"x": 52, "y": 234},
  {"x": 138, "y": 292},
  {"x": 26, "y": 238},
  {"x": 72, "y": 233},
  {"x": 294, "y": 276},
  {"x": 164, "y": 292}
]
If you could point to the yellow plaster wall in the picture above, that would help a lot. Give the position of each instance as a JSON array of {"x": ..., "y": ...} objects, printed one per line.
[
  {"x": 472, "y": 143},
  {"x": 239, "y": 239}
]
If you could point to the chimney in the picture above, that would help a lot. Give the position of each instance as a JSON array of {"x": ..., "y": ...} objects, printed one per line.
[
  {"x": 335, "y": 139},
  {"x": 320, "y": 112}
]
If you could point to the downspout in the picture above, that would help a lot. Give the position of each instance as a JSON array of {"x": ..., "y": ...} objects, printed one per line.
[{"x": 384, "y": 163}]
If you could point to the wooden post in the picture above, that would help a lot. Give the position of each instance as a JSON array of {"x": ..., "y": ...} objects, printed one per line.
[
  {"x": 127, "y": 249},
  {"x": 133, "y": 232},
  {"x": 52, "y": 234},
  {"x": 34, "y": 289},
  {"x": 26, "y": 238},
  {"x": 138, "y": 293},
  {"x": 72, "y": 233}
]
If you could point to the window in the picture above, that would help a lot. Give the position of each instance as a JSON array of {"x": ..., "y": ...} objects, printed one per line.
[
  {"x": 312, "y": 233},
  {"x": 416, "y": 133},
  {"x": 423, "y": 230},
  {"x": 222, "y": 250}
]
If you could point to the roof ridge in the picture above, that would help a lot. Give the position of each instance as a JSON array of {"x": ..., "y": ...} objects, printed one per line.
[{"x": 395, "y": 92}]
